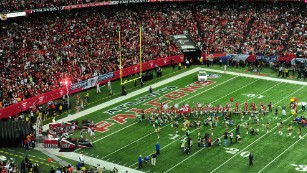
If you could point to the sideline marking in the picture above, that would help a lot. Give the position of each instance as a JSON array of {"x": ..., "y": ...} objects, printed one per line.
[
  {"x": 181, "y": 102},
  {"x": 259, "y": 137},
  {"x": 242, "y": 149},
  {"x": 213, "y": 102},
  {"x": 122, "y": 98},
  {"x": 170, "y": 79},
  {"x": 281, "y": 154}
]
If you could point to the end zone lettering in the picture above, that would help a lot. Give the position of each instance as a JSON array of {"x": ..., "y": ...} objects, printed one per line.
[
  {"x": 103, "y": 126},
  {"x": 139, "y": 100},
  {"x": 156, "y": 102},
  {"x": 121, "y": 118}
]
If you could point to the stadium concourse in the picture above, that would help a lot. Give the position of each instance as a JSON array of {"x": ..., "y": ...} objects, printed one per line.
[
  {"x": 94, "y": 161},
  {"x": 80, "y": 44}
]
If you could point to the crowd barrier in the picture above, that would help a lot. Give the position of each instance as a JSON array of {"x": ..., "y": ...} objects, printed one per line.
[{"x": 24, "y": 105}]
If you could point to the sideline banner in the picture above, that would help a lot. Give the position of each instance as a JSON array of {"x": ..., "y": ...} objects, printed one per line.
[
  {"x": 94, "y": 4},
  {"x": 22, "y": 106},
  {"x": 97, "y": 4}
]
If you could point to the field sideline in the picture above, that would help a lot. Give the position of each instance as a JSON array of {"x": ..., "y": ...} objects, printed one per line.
[{"x": 149, "y": 135}]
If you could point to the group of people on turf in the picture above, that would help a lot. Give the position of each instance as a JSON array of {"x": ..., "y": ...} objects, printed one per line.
[{"x": 209, "y": 115}]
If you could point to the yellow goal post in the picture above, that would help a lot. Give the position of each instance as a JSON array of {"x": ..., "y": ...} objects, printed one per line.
[{"x": 120, "y": 59}]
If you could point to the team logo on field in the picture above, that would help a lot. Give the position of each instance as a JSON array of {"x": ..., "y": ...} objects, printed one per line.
[{"x": 214, "y": 75}]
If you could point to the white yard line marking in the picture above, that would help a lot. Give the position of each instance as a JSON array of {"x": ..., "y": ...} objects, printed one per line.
[
  {"x": 242, "y": 149},
  {"x": 181, "y": 102},
  {"x": 106, "y": 104},
  {"x": 115, "y": 132},
  {"x": 213, "y": 102},
  {"x": 280, "y": 154},
  {"x": 259, "y": 137},
  {"x": 143, "y": 90},
  {"x": 110, "y": 134},
  {"x": 120, "y": 99},
  {"x": 258, "y": 77}
]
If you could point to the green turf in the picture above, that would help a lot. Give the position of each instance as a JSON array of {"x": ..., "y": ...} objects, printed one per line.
[
  {"x": 96, "y": 99},
  {"x": 123, "y": 147},
  {"x": 18, "y": 154},
  {"x": 122, "y": 143}
]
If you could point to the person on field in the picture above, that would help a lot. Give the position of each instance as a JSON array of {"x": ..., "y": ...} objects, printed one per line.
[
  {"x": 97, "y": 88},
  {"x": 157, "y": 149},
  {"x": 158, "y": 132},
  {"x": 290, "y": 129},
  {"x": 279, "y": 127},
  {"x": 153, "y": 158},
  {"x": 267, "y": 127},
  {"x": 251, "y": 158},
  {"x": 226, "y": 139},
  {"x": 300, "y": 133},
  {"x": 109, "y": 85},
  {"x": 140, "y": 161}
]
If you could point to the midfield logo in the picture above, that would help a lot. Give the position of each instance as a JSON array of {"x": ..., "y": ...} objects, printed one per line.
[{"x": 165, "y": 95}]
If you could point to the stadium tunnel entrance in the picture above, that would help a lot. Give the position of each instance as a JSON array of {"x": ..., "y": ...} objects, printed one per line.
[{"x": 193, "y": 55}]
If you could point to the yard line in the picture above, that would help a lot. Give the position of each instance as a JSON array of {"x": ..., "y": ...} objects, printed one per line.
[
  {"x": 110, "y": 134},
  {"x": 181, "y": 102},
  {"x": 281, "y": 154},
  {"x": 247, "y": 146},
  {"x": 115, "y": 132},
  {"x": 120, "y": 99},
  {"x": 213, "y": 102},
  {"x": 143, "y": 90},
  {"x": 258, "y": 77},
  {"x": 259, "y": 137},
  {"x": 238, "y": 152}
]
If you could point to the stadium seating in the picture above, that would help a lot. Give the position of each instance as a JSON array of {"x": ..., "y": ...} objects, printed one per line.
[
  {"x": 39, "y": 50},
  {"x": 10, "y": 5}
]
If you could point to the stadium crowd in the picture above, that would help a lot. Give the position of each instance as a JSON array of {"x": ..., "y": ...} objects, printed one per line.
[
  {"x": 223, "y": 26},
  {"x": 38, "y": 50},
  {"x": 12, "y": 5}
]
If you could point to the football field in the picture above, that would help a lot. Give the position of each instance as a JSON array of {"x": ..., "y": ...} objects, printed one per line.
[{"x": 121, "y": 138}]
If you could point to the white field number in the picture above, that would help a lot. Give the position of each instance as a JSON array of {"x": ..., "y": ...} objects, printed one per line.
[
  {"x": 253, "y": 95},
  {"x": 301, "y": 168},
  {"x": 234, "y": 151},
  {"x": 173, "y": 137}
]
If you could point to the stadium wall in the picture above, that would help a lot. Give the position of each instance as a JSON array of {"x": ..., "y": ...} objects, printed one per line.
[{"x": 24, "y": 105}]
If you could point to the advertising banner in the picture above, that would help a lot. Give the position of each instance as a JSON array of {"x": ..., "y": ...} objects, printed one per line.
[
  {"x": 41, "y": 10},
  {"x": 22, "y": 106},
  {"x": 94, "y": 4}
]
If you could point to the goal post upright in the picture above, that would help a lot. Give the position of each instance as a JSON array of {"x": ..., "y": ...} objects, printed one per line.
[
  {"x": 141, "y": 53},
  {"x": 120, "y": 59}
]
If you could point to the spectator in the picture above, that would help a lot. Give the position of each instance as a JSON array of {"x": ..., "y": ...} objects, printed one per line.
[
  {"x": 22, "y": 166},
  {"x": 35, "y": 167},
  {"x": 153, "y": 158},
  {"x": 81, "y": 159},
  {"x": 157, "y": 149},
  {"x": 140, "y": 161},
  {"x": 99, "y": 168},
  {"x": 69, "y": 44}
]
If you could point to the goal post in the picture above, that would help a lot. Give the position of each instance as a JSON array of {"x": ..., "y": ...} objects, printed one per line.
[{"x": 120, "y": 59}]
